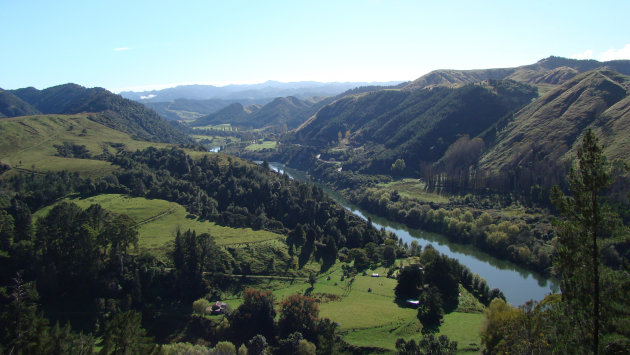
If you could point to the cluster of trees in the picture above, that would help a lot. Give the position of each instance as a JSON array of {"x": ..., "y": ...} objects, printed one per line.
[
  {"x": 591, "y": 315},
  {"x": 257, "y": 327},
  {"x": 435, "y": 283},
  {"x": 518, "y": 242},
  {"x": 235, "y": 193}
]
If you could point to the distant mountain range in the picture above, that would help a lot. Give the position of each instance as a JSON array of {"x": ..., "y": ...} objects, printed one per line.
[
  {"x": 189, "y": 102},
  {"x": 110, "y": 110},
  {"x": 263, "y": 91}
]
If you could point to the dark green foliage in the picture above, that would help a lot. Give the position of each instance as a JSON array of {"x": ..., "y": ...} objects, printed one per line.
[
  {"x": 23, "y": 330},
  {"x": 410, "y": 283},
  {"x": 124, "y": 335},
  {"x": 74, "y": 245},
  {"x": 299, "y": 314},
  {"x": 430, "y": 312},
  {"x": 290, "y": 344},
  {"x": 428, "y": 345},
  {"x": 444, "y": 273},
  {"x": 255, "y": 316},
  {"x": 69, "y": 150},
  {"x": 12, "y": 106},
  {"x": 257, "y": 345},
  {"x": 587, "y": 221},
  {"x": 193, "y": 255},
  {"x": 240, "y": 194}
]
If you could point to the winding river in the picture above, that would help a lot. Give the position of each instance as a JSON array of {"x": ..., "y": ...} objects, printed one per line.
[{"x": 518, "y": 284}]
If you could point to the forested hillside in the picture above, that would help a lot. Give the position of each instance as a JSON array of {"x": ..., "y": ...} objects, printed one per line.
[
  {"x": 11, "y": 106},
  {"x": 282, "y": 112},
  {"x": 374, "y": 129}
]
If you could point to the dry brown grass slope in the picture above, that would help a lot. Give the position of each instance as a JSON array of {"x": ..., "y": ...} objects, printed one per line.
[{"x": 548, "y": 129}]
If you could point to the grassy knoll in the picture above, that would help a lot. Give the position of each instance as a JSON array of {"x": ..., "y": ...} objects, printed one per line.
[
  {"x": 159, "y": 220},
  {"x": 368, "y": 316},
  {"x": 262, "y": 145},
  {"x": 28, "y": 142},
  {"x": 414, "y": 188}
]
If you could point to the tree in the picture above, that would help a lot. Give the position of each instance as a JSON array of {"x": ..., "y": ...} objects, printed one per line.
[
  {"x": 430, "y": 311},
  {"x": 22, "y": 329},
  {"x": 257, "y": 345},
  {"x": 312, "y": 279},
  {"x": 585, "y": 221},
  {"x": 409, "y": 283},
  {"x": 298, "y": 314},
  {"x": 255, "y": 316},
  {"x": 428, "y": 345},
  {"x": 398, "y": 168},
  {"x": 124, "y": 335}
]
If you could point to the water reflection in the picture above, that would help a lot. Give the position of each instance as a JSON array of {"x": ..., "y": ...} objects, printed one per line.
[{"x": 518, "y": 284}]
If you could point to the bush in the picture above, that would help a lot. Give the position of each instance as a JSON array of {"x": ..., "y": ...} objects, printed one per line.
[{"x": 201, "y": 306}]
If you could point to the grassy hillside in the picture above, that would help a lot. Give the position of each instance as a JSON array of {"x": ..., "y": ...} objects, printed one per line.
[
  {"x": 29, "y": 143},
  {"x": 115, "y": 112},
  {"x": 545, "y": 73},
  {"x": 159, "y": 220},
  {"x": 547, "y": 131},
  {"x": 374, "y": 129}
]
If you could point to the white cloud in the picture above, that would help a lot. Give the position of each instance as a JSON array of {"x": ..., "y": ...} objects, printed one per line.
[
  {"x": 588, "y": 54},
  {"x": 146, "y": 97},
  {"x": 119, "y": 49},
  {"x": 613, "y": 54}
]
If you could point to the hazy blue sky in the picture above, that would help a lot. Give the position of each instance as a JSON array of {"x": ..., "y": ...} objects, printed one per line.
[{"x": 144, "y": 44}]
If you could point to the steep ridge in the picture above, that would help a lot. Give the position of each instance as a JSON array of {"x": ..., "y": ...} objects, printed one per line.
[
  {"x": 544, "y": 134},
  {"x": 115, "y": 111},
  {"x": 378, "y": 127},
  {"x": 548, "y": 129},
  {"x": 548, "y": 71}
]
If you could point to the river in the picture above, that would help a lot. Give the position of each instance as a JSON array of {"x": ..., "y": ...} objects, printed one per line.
[{"x": 518, "y": 284}]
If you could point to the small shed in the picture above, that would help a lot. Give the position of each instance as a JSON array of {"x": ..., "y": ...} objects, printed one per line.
[
  {"x": 375, "y": 275},
  {"x": 414, "y": 303}
]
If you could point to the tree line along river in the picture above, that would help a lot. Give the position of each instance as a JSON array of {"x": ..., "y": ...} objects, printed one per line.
[{"x": 517, "y": 283}]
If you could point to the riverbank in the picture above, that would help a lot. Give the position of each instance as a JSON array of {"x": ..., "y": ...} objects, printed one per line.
[{"x": 517, "y": 283}]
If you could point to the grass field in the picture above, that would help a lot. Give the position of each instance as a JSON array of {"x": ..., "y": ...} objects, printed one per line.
[
  {"x": 371, "y": 318},
  {"x": 413, "y": 188},
  {"x": 28, "y": 142},
  {"x": 159, "y": 220},
  {"x": 261, "y": 146}
]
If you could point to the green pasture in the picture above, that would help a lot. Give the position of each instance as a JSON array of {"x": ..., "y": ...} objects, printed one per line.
[
  {"x": 28, "y": 143},
  {"x": 367, "y": 315},
  {"x": 262, "y": 145},
  {"x": 159, "y": 221},
  {"x": 413, "y": 188}
]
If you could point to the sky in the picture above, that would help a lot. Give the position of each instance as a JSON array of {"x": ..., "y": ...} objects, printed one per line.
[{"x": 140, "y": 45}]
